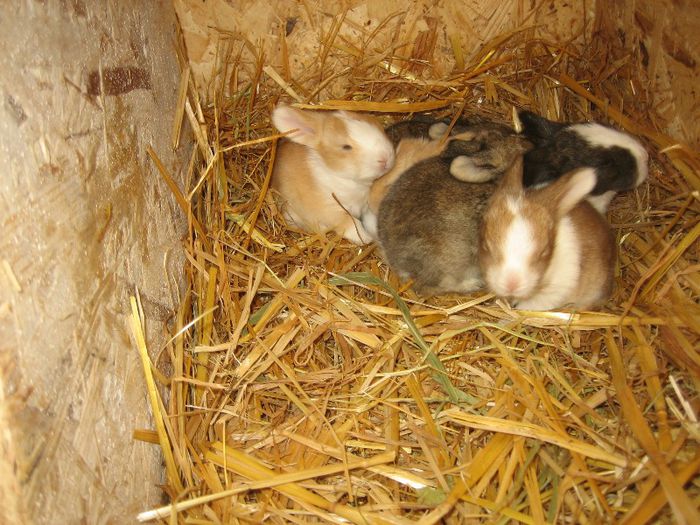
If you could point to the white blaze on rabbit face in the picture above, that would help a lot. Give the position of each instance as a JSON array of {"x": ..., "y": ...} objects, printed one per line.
[
  {"x": 518, "y": 248},
  {"x": 515, "y": 252},
  {"x": 561, "y": 276}
]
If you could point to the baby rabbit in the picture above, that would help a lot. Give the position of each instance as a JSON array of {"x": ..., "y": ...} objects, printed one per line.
[
  {"x": 547, "y": 247},
  {"x": 409, "y": 152},
  {"x": 478, "y": 152},
  {"x": 416, "y": 139},
  {"x": 324, "y": 169},
  {"x": 420, "y": 126},
  {"x": 619, "y": 160},
  {"x": 429, "y": 215}
]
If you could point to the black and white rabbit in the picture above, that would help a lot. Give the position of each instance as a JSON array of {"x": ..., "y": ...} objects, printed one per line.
[{"x": 619, "y": 160}]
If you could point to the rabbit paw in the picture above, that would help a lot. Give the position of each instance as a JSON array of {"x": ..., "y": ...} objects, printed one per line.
[{"x": 465, "y": 169}]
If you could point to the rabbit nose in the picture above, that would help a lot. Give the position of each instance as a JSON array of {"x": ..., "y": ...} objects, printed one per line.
[
  {"x": 386, "y": 162},
  {"x": 512, "y": 284}
]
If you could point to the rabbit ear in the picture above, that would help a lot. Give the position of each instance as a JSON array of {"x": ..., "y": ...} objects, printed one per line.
[
  {"x": 567, "y": 191},
  {"x": 306, "y": 123},
  {"x": 513, "y": 179},
  {"x": 538, "y": 128}
]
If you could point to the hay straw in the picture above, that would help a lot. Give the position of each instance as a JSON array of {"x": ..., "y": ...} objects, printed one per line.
[
  {"x": 684, "y": 510},
  {"x": 156, "y": 405},
  {"x": 283, "y": 483},
  {"x": 10, "y": 276},
  {"x": 529, "y": 430},
  {"x": 379, "y": 107},
  {"x": 180, "y": 108},
  {"x": 306, "y": 383}
]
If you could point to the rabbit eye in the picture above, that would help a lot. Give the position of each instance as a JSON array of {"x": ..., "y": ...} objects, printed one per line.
[{"x": 347, "y": 147}]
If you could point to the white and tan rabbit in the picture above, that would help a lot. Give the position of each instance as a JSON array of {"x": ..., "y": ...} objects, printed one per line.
[
  {"x": 548, "y": 247},
  {"x": 324, "y": 169}
]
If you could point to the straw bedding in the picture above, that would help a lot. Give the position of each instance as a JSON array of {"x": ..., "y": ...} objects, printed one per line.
[{"x": 305, "y": 383}]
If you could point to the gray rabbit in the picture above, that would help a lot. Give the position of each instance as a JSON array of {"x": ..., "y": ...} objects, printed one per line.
[{"x": 429, "y": 214}]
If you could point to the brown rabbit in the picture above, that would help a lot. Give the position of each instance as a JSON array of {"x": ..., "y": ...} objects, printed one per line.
[{"x": 548, "y": 247}]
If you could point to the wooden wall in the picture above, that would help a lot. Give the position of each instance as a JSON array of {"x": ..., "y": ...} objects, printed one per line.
[
  {"x": 658, "y": 42},
  {"x": 86, "y": 222}
]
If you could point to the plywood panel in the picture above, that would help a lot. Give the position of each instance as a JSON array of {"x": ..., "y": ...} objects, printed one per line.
[
  {"x": 658, "y": 43},
  {"x": 446, "y": 34},
  {"x": 86, "y": 221}
]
